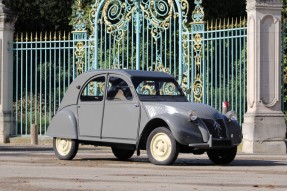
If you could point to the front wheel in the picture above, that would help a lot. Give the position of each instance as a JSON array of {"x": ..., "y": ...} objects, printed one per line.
[
  {"x": 222, "y": 156},
  {"x": 161, "y": 147},
  {"x": 122, "y": 154},
  {"x": 65, "y": 149}
]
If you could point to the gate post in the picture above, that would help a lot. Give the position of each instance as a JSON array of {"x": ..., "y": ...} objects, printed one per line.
[
  {"x": 6, "y": 36},
  {"x": 80, "y": 64},
  {"x": 264, "y": 126}
]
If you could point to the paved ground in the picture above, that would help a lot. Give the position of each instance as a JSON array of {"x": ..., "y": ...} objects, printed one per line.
[{"x": 95, "y": 168}]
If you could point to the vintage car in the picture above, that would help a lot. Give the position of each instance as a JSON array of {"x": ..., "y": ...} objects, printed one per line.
[{"x": 131, "y": 110}]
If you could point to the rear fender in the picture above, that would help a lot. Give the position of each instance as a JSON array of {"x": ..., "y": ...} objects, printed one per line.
[{"x": 63, "y": 125}]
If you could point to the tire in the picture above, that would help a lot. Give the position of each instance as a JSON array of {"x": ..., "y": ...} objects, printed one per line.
[
  {"x": 162, "y": 148},
  {"x": 65, "y": 149},
  {"x": 222, "y": 156},
  {"x": 122, "y": 154}
]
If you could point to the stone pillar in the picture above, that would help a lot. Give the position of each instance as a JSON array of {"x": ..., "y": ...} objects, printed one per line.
[
  {"x": 264, "y": 126},
  {"x": 6, "y": 36}
]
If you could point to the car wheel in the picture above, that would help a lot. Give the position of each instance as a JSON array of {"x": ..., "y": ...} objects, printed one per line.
[
  {"x": 161, "y": 147},
  {"x": 65, "y": 149},
  {"x": 122, "y": 154},
  {"x": 222, "y": 156}
]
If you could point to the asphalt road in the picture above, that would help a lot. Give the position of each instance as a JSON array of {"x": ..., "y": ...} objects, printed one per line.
[{"x": 95, "y": 168}]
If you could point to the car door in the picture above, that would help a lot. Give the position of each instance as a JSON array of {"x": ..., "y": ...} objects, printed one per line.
[
  {"x": 121, "y": 115},
  {"x": 90, "y": 108}
]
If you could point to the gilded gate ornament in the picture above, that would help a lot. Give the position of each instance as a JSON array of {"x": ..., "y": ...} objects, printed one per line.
[
  {"x": 80, "y": 56},
  {"x": 185, "y": 11},
  {"x": 79, "y": 35},
  {"x": 198, "y": 13},
  {"x": 197, "y": 39},
  {"x": 197, "y": 89},
  {"x": 97, "y": 87},
  {"x": 117, "y": 15},
  {"x": 158, "y": 13},
  {"x": 80, "y": 23}
]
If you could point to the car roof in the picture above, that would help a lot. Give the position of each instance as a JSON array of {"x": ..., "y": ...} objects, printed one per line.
[
  {"x": 134, "y": 73},
  {"x": 71, "y": 96}
]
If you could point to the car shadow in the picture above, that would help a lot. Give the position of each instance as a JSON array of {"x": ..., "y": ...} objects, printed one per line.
[
  {"x": 195, "y": 162},
  {"x": 24, "y": 148},
  {"x": 235, "y": 163}
]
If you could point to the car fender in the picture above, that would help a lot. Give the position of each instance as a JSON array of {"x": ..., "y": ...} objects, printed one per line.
[
  {"x": 63, "y": 125},
  {"x": 234, "y": 131},
  {"x": 184, "y": 131}
]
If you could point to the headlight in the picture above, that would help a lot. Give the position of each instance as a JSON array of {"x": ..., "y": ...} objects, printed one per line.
[
  {"x": 231, "y": 115},
  {"x": 193, "y": 115}
]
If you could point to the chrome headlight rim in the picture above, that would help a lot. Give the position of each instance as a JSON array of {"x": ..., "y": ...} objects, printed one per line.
[{"x": 193, "y": 115}]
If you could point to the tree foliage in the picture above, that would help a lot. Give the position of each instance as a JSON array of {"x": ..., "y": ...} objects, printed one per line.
[
  {"x": 215, "y": 9},
  {"x": 50, "y": 15},
  {"x": 41, "y": 15}
]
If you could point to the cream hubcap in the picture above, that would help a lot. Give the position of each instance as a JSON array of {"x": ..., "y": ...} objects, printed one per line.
[
  {"x": 160, "y": 146},
  {"x": 63, "y": 146}
]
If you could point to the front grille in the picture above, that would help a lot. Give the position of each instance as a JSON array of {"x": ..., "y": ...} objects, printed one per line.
[{"x": 216, "y": 128}]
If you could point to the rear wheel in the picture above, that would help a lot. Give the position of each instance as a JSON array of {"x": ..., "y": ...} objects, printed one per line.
[
  {"x": 161, "y": 147},
  {"x": 222, "y": 156},
  {"x": 65, "y": 149},
  {"x": 122, "y": 154}
]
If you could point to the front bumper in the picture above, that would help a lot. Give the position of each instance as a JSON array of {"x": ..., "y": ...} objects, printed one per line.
[{"x": 214, "y": 143}]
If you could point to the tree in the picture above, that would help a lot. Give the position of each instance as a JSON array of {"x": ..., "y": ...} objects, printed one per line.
[
  {"x": 51, "y": 15},
  {"x": 215, "y": 9},
  {"x": 41, "y": 15}
]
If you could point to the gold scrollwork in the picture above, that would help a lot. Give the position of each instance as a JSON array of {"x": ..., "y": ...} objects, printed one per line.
[
  {"x": 197, "y": 85},
  {"x": 116, "y": 15},
  {"x": 80, "y": 56},
  {"x": 169, "y": 88},
  {"x": 92, "y": 17},
  {"x": 148, "y": 90},
  {"x": 98, "y": 86},
  {"x": 197, "y": 88},
  {"x": 185, "y": 10},
  {"x": 158, "y": 13},
  {"x": 80, "y": 67},
  {"x": 159, "y": 68}
]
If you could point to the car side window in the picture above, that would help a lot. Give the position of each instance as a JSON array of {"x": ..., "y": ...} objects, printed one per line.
[
  {"x": 94, "y": 90},
  {"x": 118, "y": 90}
]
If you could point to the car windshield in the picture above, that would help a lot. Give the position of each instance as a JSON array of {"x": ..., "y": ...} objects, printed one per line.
[{"x": 158, "y": 89}]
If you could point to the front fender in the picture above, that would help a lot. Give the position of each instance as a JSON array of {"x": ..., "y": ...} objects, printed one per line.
[
  {"x": 63, "y": 125},
  {"x": 234, "y": 132},
  {"x": 184, "y": 131}
]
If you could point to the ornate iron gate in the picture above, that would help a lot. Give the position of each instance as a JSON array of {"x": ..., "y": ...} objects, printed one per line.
[
  {"x": 158, "y": 35},
  {"x": 139, "y": 34},
  {"x": 146, "y": 35}
]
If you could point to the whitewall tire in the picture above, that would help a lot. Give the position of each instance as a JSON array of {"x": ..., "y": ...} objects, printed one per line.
[
  {"x": 161, "y": 147},
  {"x": 65, "y": 149}
]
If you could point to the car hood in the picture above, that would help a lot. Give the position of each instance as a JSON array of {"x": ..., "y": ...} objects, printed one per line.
[{"x": 203, "y": 111}]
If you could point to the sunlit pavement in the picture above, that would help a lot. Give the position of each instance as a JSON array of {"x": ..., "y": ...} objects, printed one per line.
[{"x": 95, "y": 168}]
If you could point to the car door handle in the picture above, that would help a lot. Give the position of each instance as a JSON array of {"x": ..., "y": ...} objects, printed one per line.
[{"x": 137, "y": 105}]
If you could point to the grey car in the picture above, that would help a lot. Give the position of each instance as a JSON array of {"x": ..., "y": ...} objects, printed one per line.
[{"x": 130, "y": 110}]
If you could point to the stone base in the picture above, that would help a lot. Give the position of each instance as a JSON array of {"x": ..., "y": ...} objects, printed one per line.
[
  {"x": 5, "y": 124},
  {"x": 264, "y": 133},
  {"x": 269, "y": 147}
]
